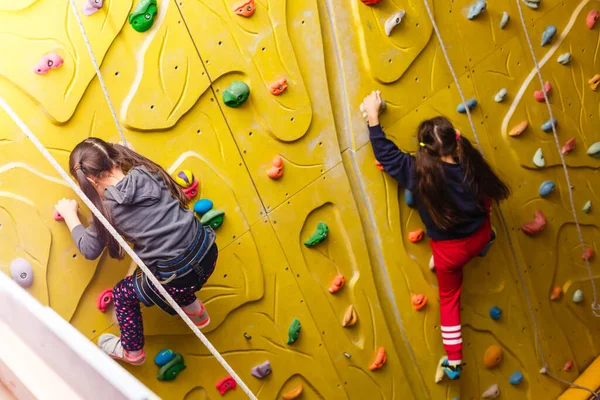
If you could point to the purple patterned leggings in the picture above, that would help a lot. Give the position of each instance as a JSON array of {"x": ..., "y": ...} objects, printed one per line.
[{"x": 129, "y": 315}]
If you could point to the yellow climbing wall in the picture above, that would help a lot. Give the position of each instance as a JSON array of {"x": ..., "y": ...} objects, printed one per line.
[{"x": 167, "y": 84}]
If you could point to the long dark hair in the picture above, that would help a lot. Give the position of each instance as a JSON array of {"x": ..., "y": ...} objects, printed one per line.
[
  {"x": 438, "y": 138},
  {"x": 95, "y": 158}
]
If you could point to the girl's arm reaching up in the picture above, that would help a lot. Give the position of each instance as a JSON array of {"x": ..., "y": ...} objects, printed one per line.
[
  {"x": 87, "y": 240},
  {"x": 395, "y": 162}
]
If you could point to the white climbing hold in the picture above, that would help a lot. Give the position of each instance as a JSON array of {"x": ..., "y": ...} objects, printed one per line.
[
  {"x": 538, "y": 159},
  {"x": 501, "y": 95},
  {"x": 393, "y": 21},
  {"x": 544, "y": 370},
  {"x": 533, "y": 4},
  {"x": 564, "y": 58},
  {"x": 439, "y": 372},
  {"x": 431, "y": 264},
  {"x": 578, "y": 296},
  {"x": 21, "y": 272},
  {"x": 492, "y": 392},
  {"x": 364, "y": 112},
  {"x": 594, "y": 150},
  {"x": 587, "y": 207},
  {"x": 504, "y": 20},
  {"x": 476, "y": 9}
]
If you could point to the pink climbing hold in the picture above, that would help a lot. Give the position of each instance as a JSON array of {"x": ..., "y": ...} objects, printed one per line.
[
  {"x": 49, "y": 61},
  {"x": 539, "y": 94},
  {"x": 91, "y": 6},
  {"x": 592, "y": 18},
  {"x": 57, "y": 216},
  {"x": 226, "y": 384},
  {"x": 104, "y": 300}
]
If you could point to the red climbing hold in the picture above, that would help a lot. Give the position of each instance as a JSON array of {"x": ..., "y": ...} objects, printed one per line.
[
  {"x": 568, "y": 146},
  {"x": 539, "y": 94},
  {"x": 568, "y": 365},
  {"x": 49, "y": 61},
  {"x": 192, "y": 190},
  {"x": 419, "y": 301},
  {"x": 226, "y": 384},
  {"x": 416, "y": 236},
  {"x": 378, "y": 165},
  {"x": 588, "y": 254},
  {"x": 337, "y": 284},
  {"x": 592, "y": 18},
  {"x": 536, "y": 226},
  {"x": 57, "y": 216},
  {"x": 104, "y": 300},
  {"x": 278, "y": 87},
  {"x": 246, "y": 9},
  {"x": 370, "y": 2}
]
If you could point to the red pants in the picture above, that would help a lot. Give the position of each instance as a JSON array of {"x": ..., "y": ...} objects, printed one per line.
[{"x": 449, "y": 256}]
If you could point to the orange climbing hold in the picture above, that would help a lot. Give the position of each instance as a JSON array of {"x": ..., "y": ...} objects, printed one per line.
[
  {"x": 294, "y": 393},
  {"x": 350, "y": 317},
  {"x": 568, "y": 365},
  {"x": 276, "y": 170},
  {"x": 278, "y": 87},
  {"x": 378, "y": 165},
  {"x": 536, "y": 226},
  {"x": 556, "y": 292},
  {"x": 337, "y": 284},
  {"x": 493, "y": 356},
  {"x": 419, "y": 301},
  {"x": 380, "y": 359},
  {"x": 246, "y": 9},
  {"x": 539, "y": 94},
  {"x": 518, "y": 129},
  {"x": 568, "y": 146},
  {"x": 588, "y": 254},
  {"x": 370, "y": 2},
  {"x": 416, "y": 236},
  {"x": 594, "y": 82},
  {"x": 592, "y": 18}
]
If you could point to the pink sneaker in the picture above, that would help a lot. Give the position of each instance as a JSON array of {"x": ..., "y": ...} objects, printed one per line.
[
  {"x": 201, "y": 319},
  {"x": 111, "y": 345}
]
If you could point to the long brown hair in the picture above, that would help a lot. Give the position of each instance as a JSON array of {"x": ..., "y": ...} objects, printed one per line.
[
  {"x": 95, "y": 158},
  {"x": 437, "y": 138}
]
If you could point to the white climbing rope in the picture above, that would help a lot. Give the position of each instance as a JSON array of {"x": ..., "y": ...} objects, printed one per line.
[
  {"x": 98, "y": 73},
  {"x": 124, "y": 245},
  {"x": 502, "y": 217}
]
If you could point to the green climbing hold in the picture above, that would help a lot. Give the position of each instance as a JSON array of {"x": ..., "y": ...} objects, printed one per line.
[
  {"x": 587, "y": 207},
  {"x": 294, "y": 331},
  {"x": 319, "y": 235},
  {"x": 170, "y": 370},
  {"x": 143, "y": 16},
  {"x": 237, "y": 93},
  {"x": 213, "y": 218}
]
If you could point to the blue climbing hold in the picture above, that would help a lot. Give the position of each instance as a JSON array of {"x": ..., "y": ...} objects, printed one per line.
[
  {"x": 546, "y": 188},
  {"x": 409, "y": 198},
  {"x": 470, "y": 103},
  {"x": 477, "y": 9},
  {"x": 548, "y": 34},
  {"x": 547, "y": 126},
  {"x": 163, "y": 357},
  {"x": 490, "y": 243},
  {"x": 516, "y": 378},
  {"x": 495, "y": 313},
  {"x": 203, "y": 206}
]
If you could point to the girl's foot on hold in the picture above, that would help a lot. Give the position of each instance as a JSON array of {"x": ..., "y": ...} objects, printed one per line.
[
  {"x": 111, "y": 345},
  {"x": 198, "y": 314},
  {"x": 451, "y": 371},
  {"x": 490, "y": 243}
]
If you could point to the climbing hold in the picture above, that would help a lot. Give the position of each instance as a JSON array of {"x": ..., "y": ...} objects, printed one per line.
[
  {"x": 538, "y": 95},
  {"x": 587, "y": 207},
  {"x": 568, "y": 365},
  {"x": 380, "y": 359},
  {"x": 163, "y": 357},
  {"x": 495, "y": 313},
  {"x": 588, "y": 254},
  {"x": 568, "y": 146},
  {"x": 516, "y": 378},
  {"x": 236, "y": 94},
  {"x": 21, "y": 272},
  {"x": 91, "y": 6},
  {"x": 538, "y": 159},
  {"x": 203, "y": 206},
  {"x": 246, "y": 9},
  {"x": 547, "y": 126},
  {"x": 518, "y": 129},
  {"x": 213, "y": 218},
  {"x": 492, "y": 392},
  {"x": 49, "y": 61},
  {"x": 416, "y": 236},
  {"x": 548, "y": 34},
  {"x": 409, "y": 198},
  {"x": 370, "y": 2},
  {"x": 492, "y": 356},
  {"x": 533, "y": 4},
  {"x": 143, "y": 16},
  {"x": 546, "y": 188},
  {"x": 382, "y": 108},
  {"x": 337, "y": 284},
  {"x": 185, "y": 178},
  {"x": 578, "y": 296},
  {"x": 104, "y": 299},
  {"x": 504, "y": 20},
  {"x": 592, "y": 18},
  {"x": 276, "y": 170},
  {"x": 556, "y": 292},
  {"x": 278, "y": 87},
  {"x": 393, "y": 21},
  {"x": 261, "y": 370},
  {"x": 594, "y": 82},
  {"x": 191, "y": 191},
  {"x": 476, "y": 9},
  {"x": 544, "y": 370},
  {"x": 226, "y": 384},
  {"x": 470, "y": 103},
  {"x": 294, "y": 331},
  {"x": 564, "y": 58},
  {"x": 536, "y": 226},
  {"x": 501, "y": 95},
  {"x": 347, "y": 355},
  {"x": 350, "y": 317},
  {"x": 319, "y": 235},
  {"x": 379, "y": 166},
  {"x": 439, "y": 371},
  {"x": 488, "y": 246},
  {"x": 294, "y": 393},
  {"x": 248, "y": 337},
  {"x": 57, "y": 217},
  {"x": 171, "y": 369},
  {"x": 431, "y": 264},
  {"x": 419, "y": 301},
  {"x": 594, "y": 150}
]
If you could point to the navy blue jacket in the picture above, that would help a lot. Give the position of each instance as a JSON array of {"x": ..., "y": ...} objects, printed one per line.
[{"x": 401, "y": 166}]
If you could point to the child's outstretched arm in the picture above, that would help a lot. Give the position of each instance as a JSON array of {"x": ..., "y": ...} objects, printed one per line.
[
  {"x": 395, "y": 162},
  {"x": 87, "y": 240}
]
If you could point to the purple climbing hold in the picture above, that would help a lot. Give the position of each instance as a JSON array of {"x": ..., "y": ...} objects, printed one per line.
[
  {"x": 21, "y": 272},
  {"x": 262, "y": 370},
  {"x": 91, "y": 6}
]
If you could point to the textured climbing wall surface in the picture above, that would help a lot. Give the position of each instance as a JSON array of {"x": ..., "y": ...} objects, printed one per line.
[{"x": 168, "y": 85}]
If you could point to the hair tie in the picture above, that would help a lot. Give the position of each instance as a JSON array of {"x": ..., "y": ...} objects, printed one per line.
[{"x": 421, "y": 144}]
